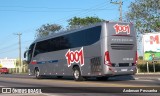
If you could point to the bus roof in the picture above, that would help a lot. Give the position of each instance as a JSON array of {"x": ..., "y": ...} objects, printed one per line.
[{"x": 61, "y": 33}]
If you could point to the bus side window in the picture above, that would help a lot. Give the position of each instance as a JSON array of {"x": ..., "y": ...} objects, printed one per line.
[
  {"x": 41, "y": 47},
  {"x": 36, "y": 52}
]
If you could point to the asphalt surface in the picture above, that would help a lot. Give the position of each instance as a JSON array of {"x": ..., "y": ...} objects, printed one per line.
[{"x": 51, "y": 86}]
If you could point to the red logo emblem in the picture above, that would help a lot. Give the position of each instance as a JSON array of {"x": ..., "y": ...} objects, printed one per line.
[
  {"x": 75, "y": 57},
  {"x": 122, "y": 28}
]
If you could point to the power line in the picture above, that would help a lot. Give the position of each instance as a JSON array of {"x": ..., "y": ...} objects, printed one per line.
[
  {"x": 27, "y": 41},
  {"x": 10, "y": 46},
  {"x": 120, "y": 8},
  {"x": 26, "y": 7},
  {"x": 13, "y": 45},
  {"x": 41, "y": 7},
  {"x": 8, "y": 51},
  {"x": 81, "y": 11},
  {"x": 66, "y": 10},
  {"x": 84, "y": 11},
  {"x": 7, "y": 38}
]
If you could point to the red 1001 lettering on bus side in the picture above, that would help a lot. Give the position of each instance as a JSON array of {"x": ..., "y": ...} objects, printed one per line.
[{"x": 75, "y": 57}]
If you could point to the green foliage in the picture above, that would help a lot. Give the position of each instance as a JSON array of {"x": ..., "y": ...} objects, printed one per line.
[
  {"x": 1, "y": 66},
  {"x": 77, "y": 22},
  {"x": 140, "y": 57},
  {"x": 145, "y": 14},
  {"x": 47, "y": 29},
  {"x": 150, "y": 51},
  {"x": 143, "y": 67}
]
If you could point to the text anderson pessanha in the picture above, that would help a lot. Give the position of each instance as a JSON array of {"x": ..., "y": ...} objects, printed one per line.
[
  {"x": 140, "y": 90},
  {"x": 131, "y": 90}
]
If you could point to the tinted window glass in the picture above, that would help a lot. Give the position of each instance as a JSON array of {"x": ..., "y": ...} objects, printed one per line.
[
  {"x": 92, "y": 35},
  {"x": 73, "y": 40},
  {"x": 30, "y": 52}
]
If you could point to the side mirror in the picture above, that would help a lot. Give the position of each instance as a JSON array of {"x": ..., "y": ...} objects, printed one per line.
[{"x": 25, "y": 54}]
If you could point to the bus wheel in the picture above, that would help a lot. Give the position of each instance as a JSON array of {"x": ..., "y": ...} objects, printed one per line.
[
  {"x": 77, "y": 74},
  {"x": 37, "y": 74}
]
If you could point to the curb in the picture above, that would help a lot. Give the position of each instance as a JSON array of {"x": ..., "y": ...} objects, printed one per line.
[
  {"x": 147, "y": 79},
  {"x": 147, "y": 73}
]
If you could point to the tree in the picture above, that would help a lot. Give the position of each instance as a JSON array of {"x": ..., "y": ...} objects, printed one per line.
[
  {"x": 77, "y": 22},
  {"x": 140, "y": 57},
  {"x": 145, "y": 14},
  {"x": 47, "y": 29}
]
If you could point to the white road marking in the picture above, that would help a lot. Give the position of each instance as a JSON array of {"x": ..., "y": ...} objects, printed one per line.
[
  {"x": 149, "y": 79},
  {"x": 144, "y": 80},
  {"x": 136, "y": 78}
]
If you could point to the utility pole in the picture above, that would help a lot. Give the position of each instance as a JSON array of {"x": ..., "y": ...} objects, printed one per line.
[
  {"x": 20, "y": 63},
  {"x": 120, "y": 8}
]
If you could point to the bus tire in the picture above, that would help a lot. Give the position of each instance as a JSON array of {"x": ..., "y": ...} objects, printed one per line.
[
  {"x": 77, "y": 74},
  {"x": 37, "y": 73}
]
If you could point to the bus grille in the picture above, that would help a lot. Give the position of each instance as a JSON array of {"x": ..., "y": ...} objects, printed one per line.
[
  {"x": 122, "y": 46},
  {"x": 123, "y": 64},
  {"x": 95, "y": 64}
]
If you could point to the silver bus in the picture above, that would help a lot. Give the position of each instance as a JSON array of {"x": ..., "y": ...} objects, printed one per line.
[{"x": 101, "y": 50}]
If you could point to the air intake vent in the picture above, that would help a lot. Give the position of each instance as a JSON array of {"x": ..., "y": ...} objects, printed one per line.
[
  {"x": 122, "y": 46},
  {"x": 95, "y": 64}
]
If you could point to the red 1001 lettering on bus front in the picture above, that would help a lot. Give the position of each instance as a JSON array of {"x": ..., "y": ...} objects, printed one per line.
[{"x": 75, "y": 57}]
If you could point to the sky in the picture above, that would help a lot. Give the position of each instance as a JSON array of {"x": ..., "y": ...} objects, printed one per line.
[{"x": 25, "y": 16}]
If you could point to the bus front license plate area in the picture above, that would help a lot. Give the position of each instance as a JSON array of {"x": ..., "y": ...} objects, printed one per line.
[{"x": 123, "y": 70}]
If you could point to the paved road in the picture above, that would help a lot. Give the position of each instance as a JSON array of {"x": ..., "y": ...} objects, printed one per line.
[
  {"x": 150, "y": 76},
  {"x": 91, "y": 87}
]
